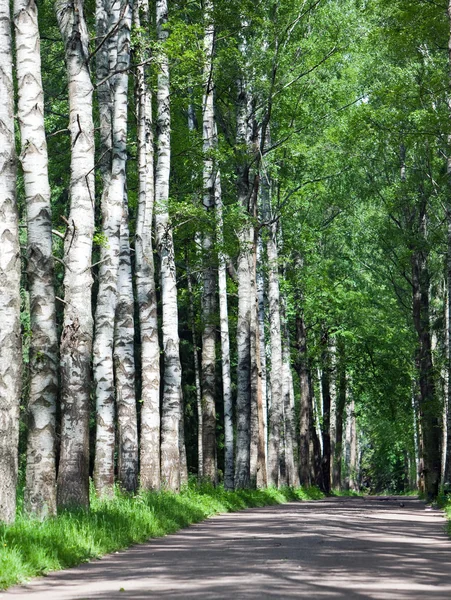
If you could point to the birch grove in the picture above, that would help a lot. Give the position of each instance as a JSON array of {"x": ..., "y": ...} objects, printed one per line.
[{"x": 155, "y": 331}]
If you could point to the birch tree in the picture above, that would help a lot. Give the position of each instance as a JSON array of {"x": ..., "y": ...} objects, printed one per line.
[
  {"x": 171, "y": 404},
  {"x": 124, "y": 365},
  {"x": 40, "y": 485},
  {"x": 208, "y": 273},
  {"x": 145, "y": 278},
  {"x": 76, "y": 338},
  {"x": 10, "y": 343},
  {"x": 112, "y": 217}
]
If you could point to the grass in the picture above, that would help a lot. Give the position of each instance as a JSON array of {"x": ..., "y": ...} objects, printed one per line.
[{"x": 30, "y": 548}]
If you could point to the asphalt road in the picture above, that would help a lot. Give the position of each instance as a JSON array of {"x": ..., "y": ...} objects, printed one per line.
[{"x": 334, "y": 549}]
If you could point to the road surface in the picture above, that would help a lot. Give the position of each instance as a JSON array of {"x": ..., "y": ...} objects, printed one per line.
[{"x": 333, "y": 549}]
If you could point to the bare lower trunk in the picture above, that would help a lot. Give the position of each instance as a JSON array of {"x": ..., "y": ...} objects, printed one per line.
[
  {"x": 306, "y": 401},
  {"x": 429, "y": 408},
  {"x": 124, "y": 368},
  {"x": 10, "y": 344},
  {"x": 145, "y": 285},
  {"x": 170, "y": 415},
  {"x": 243, "y": 408},
  {"x": 196, "y": 374},
  {"x": 340, "y": 407},
  {"x": 325, "y": 389},
  {"x": 353, "y": 450},
  {"x": 225, "y": 345},
  {"x": 261, "y": 328},
  {"x": 76, "y": 338},
  {"x": 260, "y": 474},
  {"x": 208, "y": 271},
  {"x": 182, "y": 446},
  {"x": 315, "y": 436},
  {"x": 40, "y": 487},
  {"x": 112, "y": 215},
  {"x": 289, "y": 411},
  {"x": 276, "y": 412}
]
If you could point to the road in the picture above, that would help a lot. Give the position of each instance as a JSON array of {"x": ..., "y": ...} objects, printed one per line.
[{"x": 333, "y": 549}]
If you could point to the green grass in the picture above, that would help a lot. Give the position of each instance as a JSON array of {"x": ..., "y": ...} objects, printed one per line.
[{"x": 29, "y": 548}]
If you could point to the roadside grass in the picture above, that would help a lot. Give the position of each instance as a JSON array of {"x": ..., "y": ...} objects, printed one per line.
[{"x": 30, "y": 548}]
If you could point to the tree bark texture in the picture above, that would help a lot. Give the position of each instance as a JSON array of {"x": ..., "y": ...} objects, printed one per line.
[
  {"x": 291, "y": 450},
  {"x": 275, "y": 425},
  {"x": 340, "y": 407},
  {"x": 40, "y": 485},
  {"x": 112, "y": 216},
  {"x": 208, "y": 270},
  {"x": 10, "y": 341},
  {"x": 225, "y": 342},
  {"x": 76, "y": 338},
  {"x": 124, "y": 366},
  {"x": 145, "y": 281},
  {"x": 325, "y": 388},
  {"x": 428, "y": 405},
  {"x": 170, "y": 416},
  {"x": 306, "y": 401}
]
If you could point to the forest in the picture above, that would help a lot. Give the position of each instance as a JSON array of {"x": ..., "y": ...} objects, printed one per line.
[{"x": 225, "y": 247}]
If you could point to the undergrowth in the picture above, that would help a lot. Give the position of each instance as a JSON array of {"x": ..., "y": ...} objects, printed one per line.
[{"x": 29, "y": 548}]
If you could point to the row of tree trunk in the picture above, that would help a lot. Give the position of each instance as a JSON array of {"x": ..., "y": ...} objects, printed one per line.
[{"x": 267, "y": 446}]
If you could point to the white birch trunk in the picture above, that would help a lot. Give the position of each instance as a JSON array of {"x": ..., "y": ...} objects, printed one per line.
[
  {"x": 145, "y": 283},
  {"x": 40, "y": 486},
  {"x": 292, "y": 467},
  {"x": 208, "y": 272},
  {"x": 244, "y": 276},
  {"x": 76, "y": 339},
  {"x": 170, "y": 415},
  {"x": 261, "y": 327},
  {"x": 124, "y": 367},
  {"x": 112, "y": 212},
  {"x": 258, "y": 455},
  {"x": 243, "y": 404},
  {"x": 276, "y": 413},
  {"x": 10, "y": 342},
  {"x": 225, "y": 343},
  {"x": 200, "y": 454}
]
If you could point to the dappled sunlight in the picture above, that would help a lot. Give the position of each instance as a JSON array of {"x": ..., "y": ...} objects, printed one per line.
[{"x": 344, "y": 549}]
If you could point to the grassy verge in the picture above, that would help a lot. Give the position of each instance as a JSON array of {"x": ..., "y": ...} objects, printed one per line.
[{"x": 30, "y": 548}]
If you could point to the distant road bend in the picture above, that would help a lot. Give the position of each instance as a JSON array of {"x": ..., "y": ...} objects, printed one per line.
[{"x": 333, "y": 549}]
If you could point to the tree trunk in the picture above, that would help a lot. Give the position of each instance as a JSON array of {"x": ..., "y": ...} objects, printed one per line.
[
  {"x": 112, "y": 215},
  {"x": 340, "y": 407},
  {"x": 261, "y": 329},
  {"x": 288, "y": 400},
  {"x": 76, "y": 338},
  {"x": 258, "y": 465},
  {"x": 172, "y": 381},
  {"x": 276, "y": 412},
  {"x": 40, "y": 486},
  {"x": 124, "y": 367},
  {"x": 145, "y": 282},
  {"x": 10, "y": 340},
  {"x": 208, "y": 271},
  {"x": 182, "y": 446},
  {"x": 353, "y": 450},
  {"x": 225, "y": 343},
  {"x": 325, "y": 388},
  {"x": 428, "y": 402},
  {"x": 243, "y": 405},
  {"x": 196, "y": 373},
  {"x": 306, "y": 400}
]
